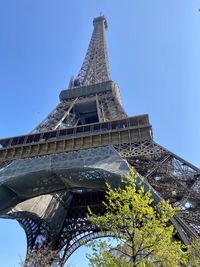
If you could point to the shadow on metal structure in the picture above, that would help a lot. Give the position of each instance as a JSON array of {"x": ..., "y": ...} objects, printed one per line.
[{"x": 50, "y": 177}]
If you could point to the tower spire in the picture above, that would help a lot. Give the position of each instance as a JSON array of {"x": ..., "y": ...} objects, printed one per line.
[
  {"x": 50, "y": 177},
  {"x": 95, "y": 67}
]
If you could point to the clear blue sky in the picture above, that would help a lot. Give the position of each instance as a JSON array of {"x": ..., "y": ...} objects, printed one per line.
[{"x": 154, "y": 54}]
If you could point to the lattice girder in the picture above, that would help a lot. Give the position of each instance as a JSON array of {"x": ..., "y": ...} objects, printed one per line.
[
  {"x": 49, "y": 177},
  {"x": 173, "y": 178},
  {"x": 95, "y": 68},
  {"x": 148, "y": 158},
  {"x": 108, "y": 105}
]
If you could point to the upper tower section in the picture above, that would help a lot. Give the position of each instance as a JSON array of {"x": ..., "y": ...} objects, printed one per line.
[
  {"x": 91, "y": 97},
  {"x": 95, "y": 67}
]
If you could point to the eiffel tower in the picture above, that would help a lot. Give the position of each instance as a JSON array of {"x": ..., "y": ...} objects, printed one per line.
[{"x": 50, "y": 177}]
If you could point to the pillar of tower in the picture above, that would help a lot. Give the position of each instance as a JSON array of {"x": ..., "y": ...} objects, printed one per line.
[{"x": 50, "y": 177}]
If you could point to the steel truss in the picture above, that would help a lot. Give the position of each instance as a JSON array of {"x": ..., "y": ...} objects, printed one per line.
[
  {"x": 109, "y": 107},
  {"x": 95, "y": 68},
  {"x": 76, "y": 230},
  {"x": 172, "y": 177},
  {"x": 55, "y": 215}
]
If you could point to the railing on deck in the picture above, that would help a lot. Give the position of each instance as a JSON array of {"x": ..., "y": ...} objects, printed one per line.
[
  {"x": 116, "y": 132},
  {"x": 86, "y": 129}
]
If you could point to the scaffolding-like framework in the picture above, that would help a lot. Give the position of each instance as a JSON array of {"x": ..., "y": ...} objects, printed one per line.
[{"x": 50, "y": 177}]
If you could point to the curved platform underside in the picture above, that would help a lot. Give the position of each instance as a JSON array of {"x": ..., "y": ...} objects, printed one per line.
[
  {"x": 86, "y": 169},
  {"x": 50, "y": 195}
]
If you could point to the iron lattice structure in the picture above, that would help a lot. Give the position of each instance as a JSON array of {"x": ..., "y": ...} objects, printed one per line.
[
  {"x": 95, "y": 68},
  {"x": 50, "y": 177}
]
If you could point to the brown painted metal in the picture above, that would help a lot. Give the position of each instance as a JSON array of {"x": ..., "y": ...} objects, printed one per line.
[
  {"x": 117, "y": 132},
  {"x": 68, "y": 128}
]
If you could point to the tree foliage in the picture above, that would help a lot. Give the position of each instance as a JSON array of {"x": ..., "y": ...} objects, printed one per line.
[
  {"x": 42, "y": 257},
  {"x": 142, "y": 230},
  {"x": 194, "y": 253},
  {"x": 102, "y": 255}
]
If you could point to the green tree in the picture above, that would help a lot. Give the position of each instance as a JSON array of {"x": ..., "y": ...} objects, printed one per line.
[
  {"x": 102, "y": 255},
  {"x": 42, "y": 258},
  {"x": 142, "y": 230},
  {"x": 39, "y": 258},
  {"x": 194, "y": 253}
]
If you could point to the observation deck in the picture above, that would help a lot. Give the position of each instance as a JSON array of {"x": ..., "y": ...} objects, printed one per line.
[{"x": 128, "y": 130}]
